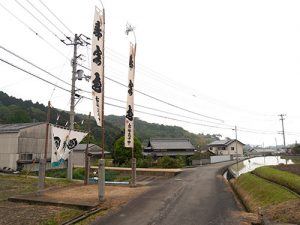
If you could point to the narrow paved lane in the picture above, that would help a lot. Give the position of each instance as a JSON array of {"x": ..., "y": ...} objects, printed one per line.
[{"x": 198, "y": 196}]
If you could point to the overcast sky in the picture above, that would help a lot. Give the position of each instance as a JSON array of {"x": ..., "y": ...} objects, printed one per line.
[{"x": 233, "y": 61}]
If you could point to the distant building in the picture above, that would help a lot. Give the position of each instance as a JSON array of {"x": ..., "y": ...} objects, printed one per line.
[
  {"x": 158, "y": 147},
  {"x": 226, "y": 147},
  {"x": 262, "y": 151},
  {"x": 22, "y": 144},
  {"x": 94, "y": 151}
]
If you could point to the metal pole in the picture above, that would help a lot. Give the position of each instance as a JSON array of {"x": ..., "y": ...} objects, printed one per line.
[
  {"x": 72, "y": 106},
  {"x": 43, "y": 161},
  {"x": 87, "y": 164}
]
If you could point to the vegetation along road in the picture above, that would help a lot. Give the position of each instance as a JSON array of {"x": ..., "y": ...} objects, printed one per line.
[{"x": 197, "y": 196}]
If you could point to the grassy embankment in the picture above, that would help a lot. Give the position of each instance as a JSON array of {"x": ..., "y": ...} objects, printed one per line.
[
  {"x": 289, "y": 180},
  {"x": 256, "y": 191}
]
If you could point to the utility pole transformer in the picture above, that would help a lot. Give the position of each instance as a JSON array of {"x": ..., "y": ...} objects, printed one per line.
[{"x": 283, "y": 134}]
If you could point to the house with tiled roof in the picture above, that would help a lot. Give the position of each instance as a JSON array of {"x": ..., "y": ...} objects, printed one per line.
[
  {"x": 158, "y": 147},
  {"x": 226, "y": 147}
]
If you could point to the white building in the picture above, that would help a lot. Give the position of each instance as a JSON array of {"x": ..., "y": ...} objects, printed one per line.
[{"x": 226, "y": 147}]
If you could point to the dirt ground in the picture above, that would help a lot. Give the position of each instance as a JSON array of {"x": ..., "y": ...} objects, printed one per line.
[
  {"x": 12, "y": 213},
  {"x": 293, "y": 168},
  {"x": 285, "y": 211}
]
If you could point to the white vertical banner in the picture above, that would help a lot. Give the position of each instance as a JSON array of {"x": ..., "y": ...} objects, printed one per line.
[
  {"x": 97, "y": 67},
  {"x": 129, "y": 119}
]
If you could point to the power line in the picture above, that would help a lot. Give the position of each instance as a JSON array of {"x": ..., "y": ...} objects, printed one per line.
[
  {"x": 32, "y": 30},
  {"x": 143, "y": 112},
  {"x": 157, "y": 99},
  {"x": 25, "y": 60},
  {"x": 55, "y": 16},
  {"x": 19, "y": 68},
  {"x": 37, "y": 19},
  {"x": 33, "y": 6}
]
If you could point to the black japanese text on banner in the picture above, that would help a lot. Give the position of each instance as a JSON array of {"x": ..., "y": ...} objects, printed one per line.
[
  {"x": 63, "y": 142},
  {"x": 97, "y": 68},
  {"x": 129, "y": 122}
]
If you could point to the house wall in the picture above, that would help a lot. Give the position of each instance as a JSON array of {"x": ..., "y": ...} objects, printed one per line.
[
  {"x": 9, "y": 150},
  {"x": 32, "y": 141},
  {"x": 233, "y": 152},
  {"x": 78, "y": 158},
  {"x": 228, "y": 150}
]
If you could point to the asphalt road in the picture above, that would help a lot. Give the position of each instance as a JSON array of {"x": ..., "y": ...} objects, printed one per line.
[{"x": 198, "y": 196}]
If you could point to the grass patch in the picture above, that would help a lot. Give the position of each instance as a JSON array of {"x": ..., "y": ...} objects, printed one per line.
[
  {"x": 256, "y": 192},
  {"x": 11, "y": 185},
  {"x": 283, "y": 178}
]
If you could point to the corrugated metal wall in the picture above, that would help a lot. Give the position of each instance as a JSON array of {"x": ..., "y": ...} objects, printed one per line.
[{"x": 32, "y": 140}]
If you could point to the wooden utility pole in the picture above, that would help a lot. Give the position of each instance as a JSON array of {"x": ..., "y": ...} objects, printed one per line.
[{"x": 43, "y": 161}]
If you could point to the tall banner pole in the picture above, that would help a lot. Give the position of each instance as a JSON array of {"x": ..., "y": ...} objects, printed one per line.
[
  {"x": 129, "y": 118},
  {"x": 97, "y": 78},
  {"x": 43, "y": 161}
]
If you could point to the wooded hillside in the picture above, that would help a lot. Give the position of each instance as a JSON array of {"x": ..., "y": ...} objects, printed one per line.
[{"x": 13, "y": 110}]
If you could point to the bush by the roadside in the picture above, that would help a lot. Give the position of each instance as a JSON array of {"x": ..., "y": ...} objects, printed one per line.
[
  {"x": 283, "y": 178},
  {"x": 78, "y": 174},
  {"x": 145, "y": 163},
  {"x": 168, "y": 162}
]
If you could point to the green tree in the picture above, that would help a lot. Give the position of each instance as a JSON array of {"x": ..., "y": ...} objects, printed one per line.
[
  {"x": 296, "y": 149},
  {"x": 18, "y": 115},
  {"x": 122, "y": 155}
]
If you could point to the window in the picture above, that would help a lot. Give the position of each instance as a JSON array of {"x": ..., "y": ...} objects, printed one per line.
[
  {"x": 232, "y": 148},
  {"x": 26, "y": 156}
]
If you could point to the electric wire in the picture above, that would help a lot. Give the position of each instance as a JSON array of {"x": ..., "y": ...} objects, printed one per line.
[
  {"x": 19, "y": 68},
  {"x": 32, "y": 64},
  {"x": 159, "y": 100},
  {"x": 152, "y": 114},
  {"x": 53, "y": 14},
  {"x": 33, "y": 31},
  {"x": 37, "y": 19},
  {"x": 25, "y": 60},
  {"x": 33, "y": 6},
  {"x": 114, "y": 81}
]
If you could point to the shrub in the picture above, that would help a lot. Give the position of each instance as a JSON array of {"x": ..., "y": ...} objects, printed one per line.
[
  {"x": 145, "y": 163},
  {"x": 168, "y": 162},
  {"x": 123, "y": 155}
]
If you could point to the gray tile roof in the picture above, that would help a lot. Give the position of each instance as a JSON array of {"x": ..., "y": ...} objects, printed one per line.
[
  {"x": 220, "y": 142},
  {"x": 171, "y": 143},
  {"x": 169, "y": 153},
  {"x": 16, "y": 127}
]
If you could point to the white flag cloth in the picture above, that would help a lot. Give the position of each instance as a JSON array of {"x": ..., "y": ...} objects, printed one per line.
[
  {"x": 63, "y": 142},
  {"x": 97, "y": 67},
  {"x": 129, "y": 119}
]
